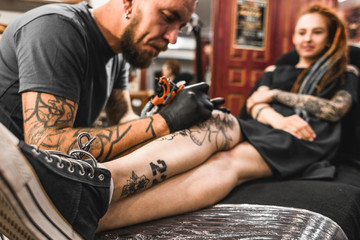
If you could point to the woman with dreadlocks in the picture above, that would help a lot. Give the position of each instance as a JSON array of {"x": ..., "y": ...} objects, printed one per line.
[{"x": 299, "y": 108}]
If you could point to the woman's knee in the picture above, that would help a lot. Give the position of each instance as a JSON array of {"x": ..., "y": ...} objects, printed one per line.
[
  {"x": 220, "y": 165},
  {"x": 245, "y": 162}
]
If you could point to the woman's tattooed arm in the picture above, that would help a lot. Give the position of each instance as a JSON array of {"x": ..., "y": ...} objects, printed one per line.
[{"x": 330, "y": 110}]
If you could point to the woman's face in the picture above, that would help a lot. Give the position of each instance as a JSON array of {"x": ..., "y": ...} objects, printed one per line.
[{"x": 311, "y": 36}]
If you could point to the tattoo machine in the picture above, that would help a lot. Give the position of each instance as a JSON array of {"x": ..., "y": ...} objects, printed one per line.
[{"x": 166, "y": 92}]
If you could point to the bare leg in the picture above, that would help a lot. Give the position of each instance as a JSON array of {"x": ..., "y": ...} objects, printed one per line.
[
  {"x": 172, "y": 155},
  {"x": 192, "y": 190}
]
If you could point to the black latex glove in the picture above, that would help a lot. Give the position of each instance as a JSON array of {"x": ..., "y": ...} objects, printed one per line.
[
  {"x": 204, "y": 87},
  {"x": 191, "y": 106},
  {"x": 217, "y": 102}
]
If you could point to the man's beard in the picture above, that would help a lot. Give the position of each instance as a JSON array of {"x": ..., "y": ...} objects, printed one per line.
[{"x": 130, "y": 50}]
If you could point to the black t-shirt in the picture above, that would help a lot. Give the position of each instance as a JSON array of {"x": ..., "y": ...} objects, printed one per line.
[{"x": 58, "y": 49}]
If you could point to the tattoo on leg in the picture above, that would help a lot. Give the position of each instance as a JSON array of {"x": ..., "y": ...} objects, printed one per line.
[
  {"x": 134, "y": 185},
  {"x": 151, "y": 128},
  {"x": 216, "y": 127},
  {"x": 158, "y": 169},
  {"x": 155, "y": 181}
]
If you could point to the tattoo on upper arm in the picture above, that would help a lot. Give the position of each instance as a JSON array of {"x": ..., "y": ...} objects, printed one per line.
[
  {"x": 47, "y": 112},
  {"x": 54, "y": 111}
]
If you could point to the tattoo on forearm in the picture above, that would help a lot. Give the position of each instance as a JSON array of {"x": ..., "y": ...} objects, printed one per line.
[
  {"x": 148, "y": 136},
  {"x": 331, "y": 110},
  {"x": 134, "y": 185},
  {"x": 113, "y": 138},
  {"x": 151, "y": 129},
  {"x": 214, "y": 129},
  {"x": 119, "y": 136},
  {"x": 52, "y": 112},
  {"x": 289, "y": 99}
]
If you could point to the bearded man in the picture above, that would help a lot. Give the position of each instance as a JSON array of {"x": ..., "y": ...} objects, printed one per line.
[{"x": 61, "y": 65}]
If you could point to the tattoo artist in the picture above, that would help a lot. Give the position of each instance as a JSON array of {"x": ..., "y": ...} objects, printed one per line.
[{"x": 61, "y": 66}]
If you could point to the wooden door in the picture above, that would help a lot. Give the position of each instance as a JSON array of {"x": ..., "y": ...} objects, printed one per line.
[{"x": 235, "y": 70}]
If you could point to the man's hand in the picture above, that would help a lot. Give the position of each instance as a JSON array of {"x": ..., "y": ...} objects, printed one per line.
[
  {"x": 190, "y": 106},
  {"x": 296, "y": 126}
]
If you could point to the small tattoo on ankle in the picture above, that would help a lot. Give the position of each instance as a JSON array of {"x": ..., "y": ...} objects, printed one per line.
[
  {"x": 134, "y": 185},
  {"x": 158, "y": 169}
]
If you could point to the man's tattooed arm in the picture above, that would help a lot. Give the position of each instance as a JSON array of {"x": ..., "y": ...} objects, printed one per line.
[
  {"x": 48, "y": 123},
  {"x": 330, "y": 110}
]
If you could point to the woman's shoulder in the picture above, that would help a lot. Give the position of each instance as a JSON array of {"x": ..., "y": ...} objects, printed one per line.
[
  {"x": 352, "y": 69},
  {"x": 281, "y": 68},
  {"x": 270, "y": 68}
]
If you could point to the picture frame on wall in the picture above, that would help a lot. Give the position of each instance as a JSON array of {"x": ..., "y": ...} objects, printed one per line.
[{"x": 250, "y": 27}]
